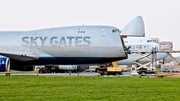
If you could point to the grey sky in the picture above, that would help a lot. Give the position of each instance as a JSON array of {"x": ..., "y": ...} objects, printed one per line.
[{"x": 161, "y": 17}]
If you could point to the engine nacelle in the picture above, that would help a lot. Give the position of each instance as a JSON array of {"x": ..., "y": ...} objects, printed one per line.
[
  {"x": 4, "y": 64},
  {"x": 23, "y": 68}
]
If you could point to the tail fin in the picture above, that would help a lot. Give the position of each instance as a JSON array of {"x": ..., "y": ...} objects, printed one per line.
[{"x": 135, "y": 28}]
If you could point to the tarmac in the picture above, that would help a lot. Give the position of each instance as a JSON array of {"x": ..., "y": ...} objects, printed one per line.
[{"x": 125, "y": 74}]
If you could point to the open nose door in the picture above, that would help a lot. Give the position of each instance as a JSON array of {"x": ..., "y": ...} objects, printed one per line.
[{"x": 135, "y": 28}]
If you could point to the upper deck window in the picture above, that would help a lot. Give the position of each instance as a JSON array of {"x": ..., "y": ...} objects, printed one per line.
[
  {"x": 81, "y": 31},
  {"x": 116, "y": 30},
  {"x": 125, "y": 41}
]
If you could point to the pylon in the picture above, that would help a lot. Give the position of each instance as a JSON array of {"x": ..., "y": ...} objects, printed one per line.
[{"x": 37, "y": 74}]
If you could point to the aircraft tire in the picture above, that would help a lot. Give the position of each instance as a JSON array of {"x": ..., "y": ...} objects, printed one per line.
[
  {"x": 48, "y": 71},
  {"x": 56, "y": 71},
  {"x": 121, "y": 73},
  {"x": 44, "y": 71},
  {"x": 105, "y": 73},
  {"x": 40, "y": 70},
  {"x": 143, "y": 73}
]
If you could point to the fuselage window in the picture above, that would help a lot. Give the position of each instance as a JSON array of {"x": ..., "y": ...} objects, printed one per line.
[
  {"x": 116, "y": 30},
  {"x": 125, "y": 41},
  {"x": 81, "y": 31}
]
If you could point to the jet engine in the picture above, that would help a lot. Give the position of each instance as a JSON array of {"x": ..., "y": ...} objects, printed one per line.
[
  {"x": 23, "y": 68},
  {"x": 4, "y": 64}
]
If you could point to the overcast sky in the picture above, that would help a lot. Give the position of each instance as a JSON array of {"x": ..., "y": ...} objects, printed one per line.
[{"x": 161, "y": 17}]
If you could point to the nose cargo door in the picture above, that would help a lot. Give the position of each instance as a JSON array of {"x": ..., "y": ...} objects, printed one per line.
[{"x": 135, "y": 28}]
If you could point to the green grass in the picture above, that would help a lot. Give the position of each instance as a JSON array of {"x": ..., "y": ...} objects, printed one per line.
[
  {"x": 39, "y": 88},
  {"x": 128, "y": 69},
  {"x": 158, "y": 69}
]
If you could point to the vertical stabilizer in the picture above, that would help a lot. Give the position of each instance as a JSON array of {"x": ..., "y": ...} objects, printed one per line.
[{"x": 135, "y": 28}]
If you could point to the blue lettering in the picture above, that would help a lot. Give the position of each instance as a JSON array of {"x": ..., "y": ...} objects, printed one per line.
[
  {"x": 70, "y": 41},
  {"x": 87, "y": 41},
  {"x": 42, "y": 41},
  {"x": 62, "y": 42},
  {"x": 25, "y": 41},
  {"x": 33, "y": 41},
  {"x": 77, "y": 41},
  {"x": 52, "y": 41}
]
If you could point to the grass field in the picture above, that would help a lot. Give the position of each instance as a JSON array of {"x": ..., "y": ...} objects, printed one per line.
[
  {"x": 158, "y": 69},
  {"x": 52, "y": 88}
]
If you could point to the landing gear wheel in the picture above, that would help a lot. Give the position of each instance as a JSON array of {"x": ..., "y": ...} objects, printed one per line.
[
  {"x": 40, "y": 71},
  {"x": 121, "y": 73},
  {"x": 143, "y": 73},
  {"x": 44, "y": 71},
  {"x": 49, "y": 71},
  {"x": 105, "y": 73},
  {"x": 56, "y": 71}
]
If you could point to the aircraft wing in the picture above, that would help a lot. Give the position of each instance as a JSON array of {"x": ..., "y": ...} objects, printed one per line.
[{"x": 21, "y": 56}]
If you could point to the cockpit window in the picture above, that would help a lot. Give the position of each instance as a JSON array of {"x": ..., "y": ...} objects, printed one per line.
[
  {"x": 116, "y": 30},
  {"x": 150, "y": 41}
]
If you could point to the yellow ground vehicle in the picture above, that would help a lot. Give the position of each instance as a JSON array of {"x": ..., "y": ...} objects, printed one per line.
[{"x": 113, "y": 69}]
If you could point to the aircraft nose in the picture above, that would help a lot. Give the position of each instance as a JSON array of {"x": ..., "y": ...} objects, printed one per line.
[{"x": 134, "y": 28}]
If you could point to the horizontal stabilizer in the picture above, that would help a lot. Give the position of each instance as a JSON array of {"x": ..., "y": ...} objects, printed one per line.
[
  {"x": 135, "y": 28},
  {"x": 21, "y": 56}
]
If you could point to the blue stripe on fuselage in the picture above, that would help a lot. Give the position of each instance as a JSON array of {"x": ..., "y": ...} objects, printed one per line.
[{"x": 66, "y": 60}]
